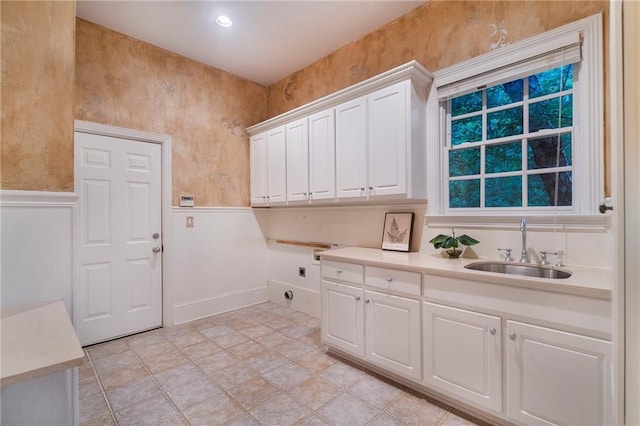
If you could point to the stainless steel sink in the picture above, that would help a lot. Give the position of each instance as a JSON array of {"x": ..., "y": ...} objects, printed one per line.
[{"x": 520, "y": 269}]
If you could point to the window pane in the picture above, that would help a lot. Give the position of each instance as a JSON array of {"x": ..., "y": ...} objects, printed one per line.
[
  {"x": 464, "y": 162},
  {"x": 503, "y": 123},
  {"x": 542, "y": 189},
  {"x": 504, "y": 94},
  {"x": 464, "y": 193},
  {"x": 552, "y": 81},
  {"x": 466, "y": 130},
  {"x": 466, "y": 104},
  {"x": 543, "y": 153},
  {"x": 503, "y": 192},
  {"x": 504, "y": 157},
  {"x": 546, "y": 114}
]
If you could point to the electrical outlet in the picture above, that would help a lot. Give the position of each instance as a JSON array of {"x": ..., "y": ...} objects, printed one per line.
[
  {"x": 302, "y": 272},
  {"x": 189, "y": 221}
]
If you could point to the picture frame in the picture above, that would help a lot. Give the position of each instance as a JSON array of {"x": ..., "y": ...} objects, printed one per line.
[{"x": 397, "y": 232}]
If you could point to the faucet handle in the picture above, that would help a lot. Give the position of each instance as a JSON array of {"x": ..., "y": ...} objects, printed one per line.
[
  {"x": 560, "y": 258},
  {"x": 507, "y": 256},
  {"x": 558, "y": 253}
]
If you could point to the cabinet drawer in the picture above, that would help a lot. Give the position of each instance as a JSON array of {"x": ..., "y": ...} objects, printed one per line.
[
  {"x": 351, "y": 272},
  {"x": 393, "y": 279}
]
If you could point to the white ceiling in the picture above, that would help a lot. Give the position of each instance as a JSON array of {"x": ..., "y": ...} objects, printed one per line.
[{"x": 268, "y": 41}]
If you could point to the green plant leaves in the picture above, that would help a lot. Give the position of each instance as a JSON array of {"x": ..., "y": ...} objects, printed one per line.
[{"x": 447, "y": 241}]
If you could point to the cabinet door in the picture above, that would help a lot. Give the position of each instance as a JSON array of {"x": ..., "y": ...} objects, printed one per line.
[
  {"x": 258, "y": 149},
  {"x": 276, "y": 166},
  {"x": 462, "y": 354},
  {"x": 342, "y": 317},
  {"x": 297, "y": 160},
  {"x": 351, "y": 149},
  {"x": 388, "y": 126},
  {"x": 392, "y": 338},
  {"x": 322, "y": 155},
  {"x": 555, "y": 377}
]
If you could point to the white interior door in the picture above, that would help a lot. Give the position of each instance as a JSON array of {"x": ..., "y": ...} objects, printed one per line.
[{"x": 120, "y": 236}]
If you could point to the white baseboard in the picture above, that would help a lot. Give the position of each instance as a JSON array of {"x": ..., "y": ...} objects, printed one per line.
[
  {"x": 304, "y": 300},
  {"x": 191, "y": 311}
]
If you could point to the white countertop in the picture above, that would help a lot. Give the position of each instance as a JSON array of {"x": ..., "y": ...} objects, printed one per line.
[
  {"x": 37, "y": 339},
  {"x": 584, "y": 281}
]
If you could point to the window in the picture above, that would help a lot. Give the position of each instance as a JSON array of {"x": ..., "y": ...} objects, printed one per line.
[{"x": 521, "y": 127}]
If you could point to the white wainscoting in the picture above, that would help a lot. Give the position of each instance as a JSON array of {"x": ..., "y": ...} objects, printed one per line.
[
  {"x": 37, "y": 265},
  {"x": 284, "y": 262},
  {"x": 218, "y": 265}
]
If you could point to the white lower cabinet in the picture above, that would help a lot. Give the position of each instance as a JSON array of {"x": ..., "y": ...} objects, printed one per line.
[
  {"x": 342, "y": 317},
  {"x": 463, "y": 354},
  {"x": 555, "y": 377},
  {"x": 392, "y": 333}
]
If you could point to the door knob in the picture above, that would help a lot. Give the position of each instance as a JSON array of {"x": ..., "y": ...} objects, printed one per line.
[
  {"x": 512, "y": 336},
  {"x": 493, "y": 331},
  {"x": 156, "y": 249},
  {"x": 156, "y": 235}
]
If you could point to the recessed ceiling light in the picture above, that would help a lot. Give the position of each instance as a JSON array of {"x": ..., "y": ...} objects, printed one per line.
[{"x": 224, "y": 21}]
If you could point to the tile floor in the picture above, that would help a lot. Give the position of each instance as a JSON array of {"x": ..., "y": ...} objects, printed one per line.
[{"x": 259, "y": 365}]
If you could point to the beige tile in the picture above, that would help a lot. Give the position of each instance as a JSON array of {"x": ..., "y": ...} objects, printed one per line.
[
  {"x": 411, "y": 409},
  {"x": 106, "y": 349},
  {"x": 229, "y": 340},
  {"x": 266, "y": 317},
  {"x": 164, "y": 361},
  {"x": 122, "y": 376},
  {"x": 279, "y": 322},
  {"x": 210, "y": 364},
  {"x": 458, "y": 418},
  {"x": 247, "y": 349},
  {"x": 217, "y": 331},
  {"x": 253, "y": 392},
  {"x": 213, "y": 411},
  {"x": 241, "y": 323},
  {"x": 201, "y": 349},
  {"x": 342, "y": 375},
  {"x": 115, "y": 361},
  {"x": 347, "y": 410},
  {"x": 145, "y": 339},
  {"x": 298, "y": 317},
  {"x": 256, "y": 331},
  {"x": 188, "y": 339},
  {"x": 272, "y": 340},
  {"x": 175, "y": 420},
  {"x": 297, "y": 330},
  {"x": 85, "y": 370},
  {"x": 314, "y": 322},
  {"x": 88, "y": 387},
  {"x": 232, "y": 375},
  {"x": 147, "y": 350},
  {"x": 315, "y": 392},
  {"x": 287, "y": 375},
  {"x": 385, "y": 420},
  {"x": 106, "y": 420},
  {"x": 178, "y": 376},
  {"x": 170, "y": 333},
  {"x": 202, "y": 324},
  {"x": 195, "y": 391},
  {"x": 265, "y": 361},
  {"x": 313, "y": 421},
  {"x": 376, "y": 392},
  {"x": 130, "y": 393},
  {"x": 281, "y": 310},
  {"x": 146, "y": 412},
  {"x": 244, "y": 420},
  {"x": 93, "y": 407},
  {"x": 312, "y": 339},
  {"x": 280, "y": 411},
  {"x": 316, "y": 361},
  {"x": 293, "y": 349}
]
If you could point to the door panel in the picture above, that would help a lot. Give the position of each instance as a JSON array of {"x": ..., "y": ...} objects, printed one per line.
[
  {"x": 342, "y": 317},
  {"x": 322, "y": 155},
  {"x": 119, "y": 210}
]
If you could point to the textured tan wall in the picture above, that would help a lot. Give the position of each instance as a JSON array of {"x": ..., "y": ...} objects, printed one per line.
[
  {"x": 125, "y": 82},
  {"x": 36, "y": 147}
]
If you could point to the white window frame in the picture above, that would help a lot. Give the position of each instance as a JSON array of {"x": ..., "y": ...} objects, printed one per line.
[{"x": 498, "y": 66}]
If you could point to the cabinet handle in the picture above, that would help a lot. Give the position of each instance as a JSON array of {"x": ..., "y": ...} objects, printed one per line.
[
  {"x": 362, "y": 188},
  {"x": 338, "y": 271},
  {"x": 512, "y": 336},
  {"x": 389, "y": 279},
  {"x": 357, "y": 297},
  {"x": 493, "y": 331},
  {"x": 366, "y": 300},
  {"x": 371, "y": 188}
]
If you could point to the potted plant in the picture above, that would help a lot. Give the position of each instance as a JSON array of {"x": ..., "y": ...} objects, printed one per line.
[{"x": 451, "y": 242}]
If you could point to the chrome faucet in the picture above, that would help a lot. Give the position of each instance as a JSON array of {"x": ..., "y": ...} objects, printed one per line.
[{"x": 524, "y": 258}]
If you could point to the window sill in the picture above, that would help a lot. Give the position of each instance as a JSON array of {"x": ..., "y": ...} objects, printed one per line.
[{"x": 564, "y": 223}]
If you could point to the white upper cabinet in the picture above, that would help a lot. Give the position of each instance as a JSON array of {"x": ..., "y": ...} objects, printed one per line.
[
  {"x": 297, "y": 136},
  {"x": 366, "y": 142},
  {"x": 258, "y": 148},
  {"x": 322, "y": 156},
  {"x": 351, "y": 149}
]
